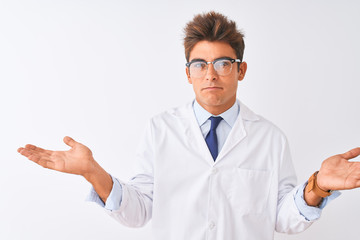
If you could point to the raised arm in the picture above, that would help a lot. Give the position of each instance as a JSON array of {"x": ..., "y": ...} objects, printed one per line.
[{"x": 78, "y": 160}]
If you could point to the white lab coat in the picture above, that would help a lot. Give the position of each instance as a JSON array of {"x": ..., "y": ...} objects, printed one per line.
[{"x": 247, "y": 193}]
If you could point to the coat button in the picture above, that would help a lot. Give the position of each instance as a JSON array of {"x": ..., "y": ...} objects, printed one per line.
[
  {"x": 214, "y": 171},
  {"x": 211, "y": 225}
]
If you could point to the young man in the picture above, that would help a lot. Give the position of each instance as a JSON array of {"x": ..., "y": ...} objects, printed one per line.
[{"x": 211, "y": 169}]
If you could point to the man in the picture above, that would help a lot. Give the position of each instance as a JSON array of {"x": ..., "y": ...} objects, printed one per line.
[{"x": 211, "y": 169}]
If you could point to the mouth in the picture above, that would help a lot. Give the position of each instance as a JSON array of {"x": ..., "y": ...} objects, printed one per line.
[{"x": 212, "y": 88}]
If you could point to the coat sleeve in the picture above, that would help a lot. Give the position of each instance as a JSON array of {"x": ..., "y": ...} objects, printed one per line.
[
  {"x": 137, "y": 194},
  {"x": 289, "y": 220}
]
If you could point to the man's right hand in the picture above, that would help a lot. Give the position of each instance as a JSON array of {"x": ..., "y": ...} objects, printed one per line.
[{"x": 78, "y": 160}]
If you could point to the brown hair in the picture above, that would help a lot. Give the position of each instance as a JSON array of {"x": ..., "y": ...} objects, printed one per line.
[{"x": 212, "y": 27}]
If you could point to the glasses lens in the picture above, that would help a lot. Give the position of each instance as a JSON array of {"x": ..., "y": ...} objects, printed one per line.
[
  {"x": 198, "y": 68},
  {"x": 223, "y": 67}
]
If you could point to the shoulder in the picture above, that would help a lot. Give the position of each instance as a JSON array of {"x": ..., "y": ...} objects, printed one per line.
[
  {"x": 271, "y": 126},
  {"x": 182, "y": 111},
  {"x": 256, "y": 123},
  {"x": 172, "y": 115}
]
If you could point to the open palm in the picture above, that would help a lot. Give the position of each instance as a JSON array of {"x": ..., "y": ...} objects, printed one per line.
[
  {"x": 338, "y": 173},
  {"x": 77, "y": 160}
]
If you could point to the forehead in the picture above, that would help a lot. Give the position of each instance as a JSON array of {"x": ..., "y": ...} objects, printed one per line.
[{"x": 211, "y": 50}]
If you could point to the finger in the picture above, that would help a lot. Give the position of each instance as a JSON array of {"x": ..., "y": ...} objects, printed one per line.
[
  {"x": 28, "y": 153},
  {"x": 19, "y": 149},
  {"x": 24, "y": 152},
  {"x": 353, "y": 153},
  {"x": 37, "y": 149},
  {"x": 42, "y": 160},
  {"x": 69, "y": 141},
  {"x": 37, "y": 158}
]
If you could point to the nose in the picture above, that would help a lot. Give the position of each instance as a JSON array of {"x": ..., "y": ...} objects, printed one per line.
[{"x": 211, "y": 74}]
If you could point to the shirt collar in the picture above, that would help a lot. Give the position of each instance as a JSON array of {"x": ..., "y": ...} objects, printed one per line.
[{"x": 229, "y": 115}]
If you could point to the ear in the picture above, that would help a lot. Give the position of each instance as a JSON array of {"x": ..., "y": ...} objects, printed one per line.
[
  {"x": 242, "y": 70},
  {"x": 188, "y": 75}
]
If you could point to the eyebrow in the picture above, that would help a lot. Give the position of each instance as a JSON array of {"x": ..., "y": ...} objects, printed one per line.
[{"x": 203, "y": 60}]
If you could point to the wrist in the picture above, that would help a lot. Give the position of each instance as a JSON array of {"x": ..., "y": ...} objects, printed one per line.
[
  {"x": 319, "y": 183},
  {"x": 92, "y": 170},
  {"x": 100, "y": 180},
  {"x": 313, "y": 187}
]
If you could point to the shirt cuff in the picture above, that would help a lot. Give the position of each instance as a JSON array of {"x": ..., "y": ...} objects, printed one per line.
[
  {"x": 309, "y": 212},
  {"x": 114, "y": 199}
]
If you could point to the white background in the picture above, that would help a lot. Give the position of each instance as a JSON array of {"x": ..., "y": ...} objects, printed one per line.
[{"x": 98, "y": 70}]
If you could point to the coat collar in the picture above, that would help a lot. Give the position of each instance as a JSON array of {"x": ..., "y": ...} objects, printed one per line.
[
  {"x": 187, "y": 111},
  {"x": 196, "y": 139},
  {"x": 229, "y": 116}
]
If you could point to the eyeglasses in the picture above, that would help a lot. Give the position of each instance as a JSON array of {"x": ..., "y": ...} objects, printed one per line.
[{"x": 223, "y": 66}]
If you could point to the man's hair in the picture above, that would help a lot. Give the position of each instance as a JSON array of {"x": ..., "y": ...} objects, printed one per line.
[{"x": 213, "y": 27}]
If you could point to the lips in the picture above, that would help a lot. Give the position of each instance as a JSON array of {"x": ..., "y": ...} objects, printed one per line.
[{"x": 212, "y": 88}]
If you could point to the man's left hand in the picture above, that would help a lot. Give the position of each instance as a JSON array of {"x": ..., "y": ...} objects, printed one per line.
[{"x": 338, "y": 173}]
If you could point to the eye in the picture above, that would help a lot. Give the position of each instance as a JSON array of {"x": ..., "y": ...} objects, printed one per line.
[
  {"x": 223, "y": 63},
  {"x": 198, "y": 65}
]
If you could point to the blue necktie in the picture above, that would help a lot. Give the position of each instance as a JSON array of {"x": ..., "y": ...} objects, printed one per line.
[{"x": 211, "y": 138}]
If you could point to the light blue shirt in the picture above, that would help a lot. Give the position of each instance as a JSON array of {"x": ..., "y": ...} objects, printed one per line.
[
  {"x": 222, "y": 131},
  {"x": 225, "y": 125}
]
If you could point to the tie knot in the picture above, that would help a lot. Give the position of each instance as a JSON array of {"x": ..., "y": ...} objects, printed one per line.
[{"x": 214, "y": 122}]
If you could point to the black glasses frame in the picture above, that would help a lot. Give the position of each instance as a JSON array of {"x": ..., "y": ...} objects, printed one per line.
[{"x": 213, "y": 62}]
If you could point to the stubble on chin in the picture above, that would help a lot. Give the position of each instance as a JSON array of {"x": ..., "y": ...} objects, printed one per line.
[{"x": 211, "y": 100}]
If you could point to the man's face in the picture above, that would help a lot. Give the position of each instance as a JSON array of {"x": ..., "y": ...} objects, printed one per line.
[{"x": 213, "y": 92}]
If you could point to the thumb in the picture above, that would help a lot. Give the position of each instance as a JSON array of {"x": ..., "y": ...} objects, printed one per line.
[
  {"x": 351, "y": 154},
  {"x": 69, "y": 141}
]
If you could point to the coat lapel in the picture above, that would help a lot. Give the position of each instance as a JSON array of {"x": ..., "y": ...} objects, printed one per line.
[
  {"x": 193, "y": 135},
  {"x": 196, "y": 140},
  {"x": 238, "y": 132}
]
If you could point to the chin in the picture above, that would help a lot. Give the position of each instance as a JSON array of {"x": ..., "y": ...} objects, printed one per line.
[{"x": 212, "y": 102}]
